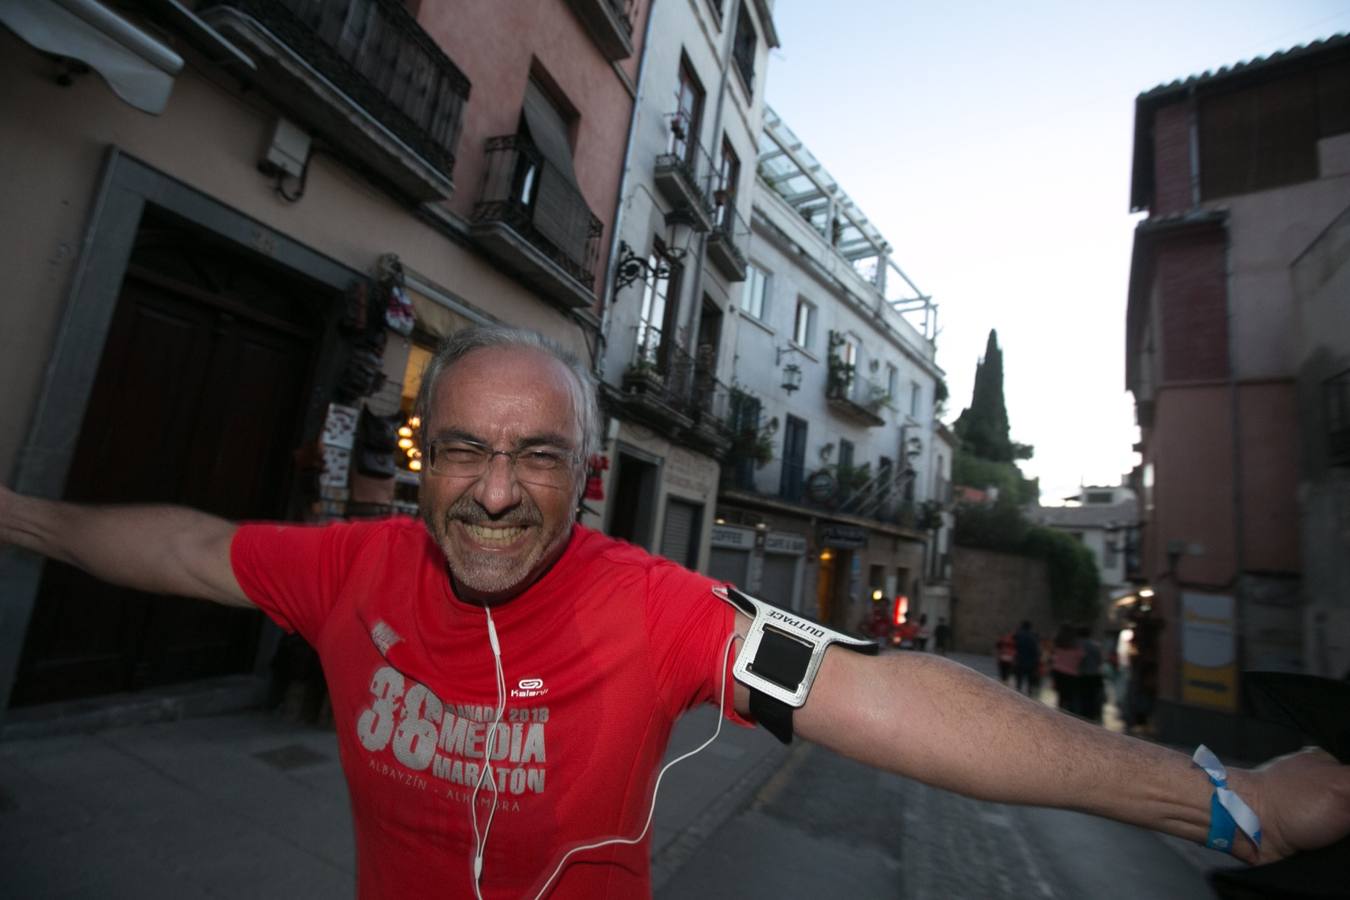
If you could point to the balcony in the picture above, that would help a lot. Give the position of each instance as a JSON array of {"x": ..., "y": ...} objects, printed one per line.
[
  {"x": 363, "y": 74},
  {"x": 842, "y": 493},
  {"x": 609, "y": 23},
  {"x": 711, "y": 401},
  {"x": 684, "y": 177},
  {"x": 669, "y": 390},
  {"x": 853, "y": 396},
  {"x": 727, "y": 242},
  {"x": 533, "y": 220}
]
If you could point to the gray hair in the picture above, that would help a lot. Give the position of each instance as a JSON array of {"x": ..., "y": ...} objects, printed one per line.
[{"x": 480, "y": 337}]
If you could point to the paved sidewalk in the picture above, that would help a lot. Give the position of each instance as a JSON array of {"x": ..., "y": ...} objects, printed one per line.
[{"x": 254, "y": 805}]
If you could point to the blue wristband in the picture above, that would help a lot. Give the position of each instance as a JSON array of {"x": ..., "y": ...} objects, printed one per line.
[{"x": 1227, "y": 811}]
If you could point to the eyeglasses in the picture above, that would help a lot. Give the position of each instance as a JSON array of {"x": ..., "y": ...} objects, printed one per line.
[{"x": 532, "y": 465}]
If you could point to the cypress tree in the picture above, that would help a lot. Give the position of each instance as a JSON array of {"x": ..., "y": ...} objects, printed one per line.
[{"x": 983, "y": 426}]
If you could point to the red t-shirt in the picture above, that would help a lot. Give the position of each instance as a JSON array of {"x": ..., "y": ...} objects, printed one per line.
[{"x": 600, "y": 657}]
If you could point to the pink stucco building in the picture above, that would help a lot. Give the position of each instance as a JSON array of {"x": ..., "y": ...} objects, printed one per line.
[{"x": 1243, "y": 173}]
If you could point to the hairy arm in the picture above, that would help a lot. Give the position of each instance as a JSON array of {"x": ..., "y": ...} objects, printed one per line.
[
  {"x": 939, "y": 722},
  {"x": 160, "y": 549}
]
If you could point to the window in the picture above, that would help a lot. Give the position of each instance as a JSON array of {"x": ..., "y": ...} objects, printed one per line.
[
  {"x": 804, "y": 327},
  {"x": 728, "y": 174},
  {"x": 548, "y": 186},
  {"x": 684, "y": 125},
  {"x": 915, "y": 393},
  {"x": 845, "y": 454},
  {"x": 892, "y": 383},
  {"x": 652, "y": 313},
  {"x": 851, "y": 350},
  {"x": 755, "y": 292},
  {"x": 744, "y": 51}
]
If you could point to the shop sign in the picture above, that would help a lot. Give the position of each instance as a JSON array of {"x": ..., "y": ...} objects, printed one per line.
[
  {"x": 780, "y": 542},
  {"x": 847, "y": 537},
  {"x": 732, "y": 537},
  {"x": 1208, "y": 651}
]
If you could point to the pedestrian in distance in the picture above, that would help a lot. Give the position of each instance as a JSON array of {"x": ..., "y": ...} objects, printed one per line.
[
  {"x": 942, "y": 636},
  {"x": 1090, "y": 688},
  {"x": 1005, "y": 652},
  {"x": 924, "y": 634},
  {"x": 1065, "y": 657},
  {"x": 503, "y": 680},
  {"x": 1026, "y": 659}
]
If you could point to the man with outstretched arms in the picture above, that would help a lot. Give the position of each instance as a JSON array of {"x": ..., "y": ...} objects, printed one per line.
[{"x": 504, "y": 680}]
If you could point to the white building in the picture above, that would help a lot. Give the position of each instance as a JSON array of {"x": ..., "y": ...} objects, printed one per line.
[
  {"x": 1105, "y": 520},
  {"x": 680, "y": 256},
  {"x": 833, "y": 373}
]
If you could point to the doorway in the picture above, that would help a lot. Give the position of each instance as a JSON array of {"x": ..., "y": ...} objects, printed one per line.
[
  {"x": 634, "y": 501},
  {"x": 197, "y": 400},
  {"x": 794, "y": 459}
]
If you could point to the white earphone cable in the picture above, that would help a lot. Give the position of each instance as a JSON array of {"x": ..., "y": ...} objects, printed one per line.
[
  {"x": 480, "y": 841},
  {"x": 651, "y": 811}
]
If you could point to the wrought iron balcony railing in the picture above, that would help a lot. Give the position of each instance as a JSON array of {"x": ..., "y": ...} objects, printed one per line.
[
  {"x": 376, "y": 54},
  {"x": 685, "y": 176},
  {"x": 729, "y": 237},
  {"x": 525, "y": 191}
]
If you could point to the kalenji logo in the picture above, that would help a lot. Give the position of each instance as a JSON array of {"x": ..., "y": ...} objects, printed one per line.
[
  {"x": 384, "y": 637},
  {"x": 529, "y": 687}
]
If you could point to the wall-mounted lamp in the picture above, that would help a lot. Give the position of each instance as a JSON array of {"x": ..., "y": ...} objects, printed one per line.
[
  {"x": 669, "y": 254},
  {"x": 792, "y": 373}
]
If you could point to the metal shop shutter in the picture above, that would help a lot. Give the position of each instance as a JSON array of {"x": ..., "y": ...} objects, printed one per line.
[
  {"x": 776, "y": 585},
  {"x": 730, "y": 565},
  {"x": 679, "y": 536}
]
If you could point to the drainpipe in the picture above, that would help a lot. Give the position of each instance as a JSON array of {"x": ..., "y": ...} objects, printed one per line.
[
  {"x": 607, "y": 296},
  {"x": 1193, "y": 145},
  {"x": 1239, "y": 506}
]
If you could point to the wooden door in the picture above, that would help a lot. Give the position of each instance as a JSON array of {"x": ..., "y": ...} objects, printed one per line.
[{"x": 197, "y": 401}]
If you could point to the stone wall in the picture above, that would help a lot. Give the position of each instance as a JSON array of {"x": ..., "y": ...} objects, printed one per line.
[{"x": 992, "y": 593}]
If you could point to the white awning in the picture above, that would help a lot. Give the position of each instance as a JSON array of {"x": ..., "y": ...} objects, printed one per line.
[{"x": 139, "y": 68}]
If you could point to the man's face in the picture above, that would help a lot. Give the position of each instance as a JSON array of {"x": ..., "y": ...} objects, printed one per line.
[{"x": 500, "y": 534}]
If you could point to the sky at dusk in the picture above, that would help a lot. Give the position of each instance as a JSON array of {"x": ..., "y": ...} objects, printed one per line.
[{"x": 990, "y": 143}]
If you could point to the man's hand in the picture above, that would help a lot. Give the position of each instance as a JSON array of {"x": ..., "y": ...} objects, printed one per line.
[
  {"x": 1303, "y": 801},
  {"x": 159, "y": 549}
]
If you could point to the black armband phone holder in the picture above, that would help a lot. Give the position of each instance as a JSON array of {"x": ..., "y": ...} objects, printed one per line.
[{"x": 780, "y": 657}]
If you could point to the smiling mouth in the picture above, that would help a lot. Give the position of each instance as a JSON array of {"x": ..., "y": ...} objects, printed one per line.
[{"x": 493, "y": 536}]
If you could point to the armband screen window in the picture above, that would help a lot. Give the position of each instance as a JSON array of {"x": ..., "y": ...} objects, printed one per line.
[{"x": 782, "y": 658}]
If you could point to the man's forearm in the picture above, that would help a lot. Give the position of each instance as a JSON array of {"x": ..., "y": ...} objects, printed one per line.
[
  {"x": 160, "y": 549},
  {"x": 939, "y": 722}
]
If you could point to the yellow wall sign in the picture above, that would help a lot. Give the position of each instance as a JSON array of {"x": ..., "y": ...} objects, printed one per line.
[{"x": 1209, "y": 651}]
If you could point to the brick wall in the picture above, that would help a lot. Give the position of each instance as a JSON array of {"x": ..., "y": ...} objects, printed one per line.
[
  {"x": 1192, "y": 287},
  {"x": 992, "y": 593},
  {"x": 1171, "y": 160}
]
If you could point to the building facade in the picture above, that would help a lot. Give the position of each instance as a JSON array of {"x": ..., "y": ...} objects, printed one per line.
[
  {"x": 237, "y": 229},
  {"x": 680, "y": 261},
  {"x": 830, "y": 493},
  {"x": 1233, "y": 362}
]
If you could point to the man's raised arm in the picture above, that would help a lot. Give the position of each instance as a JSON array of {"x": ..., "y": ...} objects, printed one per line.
[
  {"x": 160, "y": 549},
  {"x": 941, "y": 723}
]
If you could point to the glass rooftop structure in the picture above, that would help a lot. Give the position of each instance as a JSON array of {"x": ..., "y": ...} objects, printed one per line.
[{"x": 786, "y": 166}]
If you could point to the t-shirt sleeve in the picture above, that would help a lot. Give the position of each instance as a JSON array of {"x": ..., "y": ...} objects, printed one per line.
[
  {"x": 294, "y": 573},
  {"x": 688, "y": 628}
]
